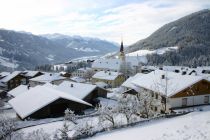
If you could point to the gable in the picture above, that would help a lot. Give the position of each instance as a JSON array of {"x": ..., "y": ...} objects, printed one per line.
[{"x": 200, "y": 88}]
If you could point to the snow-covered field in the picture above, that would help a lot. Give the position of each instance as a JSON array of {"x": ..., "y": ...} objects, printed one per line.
[
  {"x": 193, "y": 126},
  {"x": 158, "y": 51}
]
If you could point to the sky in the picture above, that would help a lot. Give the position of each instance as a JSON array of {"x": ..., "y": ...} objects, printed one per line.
[{"x": 105, "y": 19}]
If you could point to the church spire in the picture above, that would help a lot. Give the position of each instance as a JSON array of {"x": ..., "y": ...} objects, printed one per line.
[
  {"x": 121, "y": 54},
  {"x": 121, "y": 47}
]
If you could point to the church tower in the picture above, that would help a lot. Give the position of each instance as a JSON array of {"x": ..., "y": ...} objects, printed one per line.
[{"x": 122, "y": 54}]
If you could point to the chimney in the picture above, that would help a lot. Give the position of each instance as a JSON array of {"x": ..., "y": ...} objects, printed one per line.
[
  {"x": 28, "y": 86},
  {"x": 163, "y": 76},
  {"x": 184, "y": 73},
  {"x": 72, "y": 85}
]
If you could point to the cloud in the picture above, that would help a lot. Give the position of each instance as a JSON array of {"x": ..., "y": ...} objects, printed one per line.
[
  {"x": 139, "y": 20},
  {"x": 109, "y": 19}
]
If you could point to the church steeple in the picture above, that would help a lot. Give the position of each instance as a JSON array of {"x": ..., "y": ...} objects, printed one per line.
[
  {"x": 121, "y": 47},
  {"x": 122, "y": 54}
]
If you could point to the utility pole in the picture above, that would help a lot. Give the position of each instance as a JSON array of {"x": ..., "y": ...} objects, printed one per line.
[{"x": 166, "y": 90}]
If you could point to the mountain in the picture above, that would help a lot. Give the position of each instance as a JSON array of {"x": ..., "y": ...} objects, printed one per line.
[
  {"x": 93, "y": 46},
  {"x": 22, "y": 50},
  {"x": 191, "y": 34}
]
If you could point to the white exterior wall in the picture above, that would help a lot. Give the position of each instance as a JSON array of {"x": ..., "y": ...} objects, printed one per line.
[
  {"x": 177, "y": 102},
  {"x": 79, "y": 73}
]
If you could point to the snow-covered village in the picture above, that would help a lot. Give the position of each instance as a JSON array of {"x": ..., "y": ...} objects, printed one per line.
[{"x": 88, "y": 70}]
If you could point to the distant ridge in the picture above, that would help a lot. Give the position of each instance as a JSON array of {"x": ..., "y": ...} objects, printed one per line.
[{"x": 190, "y": 33}]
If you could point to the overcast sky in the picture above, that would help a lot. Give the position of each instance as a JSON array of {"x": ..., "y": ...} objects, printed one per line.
[{"x": 105, "y": 19}]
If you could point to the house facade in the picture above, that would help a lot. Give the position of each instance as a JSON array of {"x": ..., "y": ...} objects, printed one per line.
[
  {"x": 82, "y": 72},
  {"x": 12, "y": 80},
  {"x": 196, "y": 94},
  {"x": 53, "y": 78},
  {"x": 113, "y": 79},
  {"x": 178, "y": 90}
]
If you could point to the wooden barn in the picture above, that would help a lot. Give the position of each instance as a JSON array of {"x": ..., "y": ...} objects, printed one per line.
[
  {"x": 113, "y": 79},
  {"x": 12, "y": 80},
  {"x": 86, "y": 92},
  {"x": 44, "y": 102},
  {"x": 31, "y": 74}
]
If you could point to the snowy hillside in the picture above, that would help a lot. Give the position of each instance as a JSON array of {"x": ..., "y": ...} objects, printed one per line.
[
  {"x": 23, "y": 50},
  {"x": 194, "y": 126},
  {"x": 94, "y": 46},
  {"x": 191, "y": 33},
  {"x": 158, "y": 51}
]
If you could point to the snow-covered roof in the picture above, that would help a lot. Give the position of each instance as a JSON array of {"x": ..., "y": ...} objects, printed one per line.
[
  {"x": 128, "y": 83},
  {"x": 18, "y": 90},
  {"x": 37, "y": 98},
  {"x": 101, "y": 84},
  {"x": 79, "y": 90},
  {"x": 175, "y": 82},
  {"x": 2, "y": 84},
  {"x": 199, "y": 71},
  {"x": 31, "y": 73},
  {"x": 107, "y": 75},
  {"x": 114, "y": 64},
  {"x": 10, "y": 76},
  {"x": 3, "y": 74},
  {"x": 77, "y": 79},
  {"x": 63, "y": 72},
  {"x": 48, "y": 77}
]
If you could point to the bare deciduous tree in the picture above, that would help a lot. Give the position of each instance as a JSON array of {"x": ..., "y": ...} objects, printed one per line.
[
  {"x": 70, "y": 116},
  {"x": 63, "y": 131},
  {"x": 84, "y": 129},
  {"x": 146, "y": 103},
  {"x": 128, "y": 105},
  {"x": 107, "y": 113},
  {"x": 7, "y": 126}
]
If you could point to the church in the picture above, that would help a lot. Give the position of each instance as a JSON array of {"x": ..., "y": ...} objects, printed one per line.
[{"x": 120, "y": 63}]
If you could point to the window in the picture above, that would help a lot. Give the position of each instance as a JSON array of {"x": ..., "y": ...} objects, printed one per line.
[
  {"x": 163, "y": 99},
  {"x": 23, "y": 81},
  {"x": 152, "y": 94},
  {"x": 206, "y": 99},
  {"x": 155, "y": 108},
  {"x": 197, "y": 88},
  {"x": 156, "y": 96},
  {"x": 184, "y": 102}
]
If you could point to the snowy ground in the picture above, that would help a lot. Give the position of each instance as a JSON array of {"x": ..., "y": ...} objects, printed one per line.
[
  {"x": 193, "y": 126},
  {"x": 49, "y": 128},
  {"x": 52, "y": 128},
  {"x": 158, "y": 51},
  {"x": 8, "y": 113}
]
